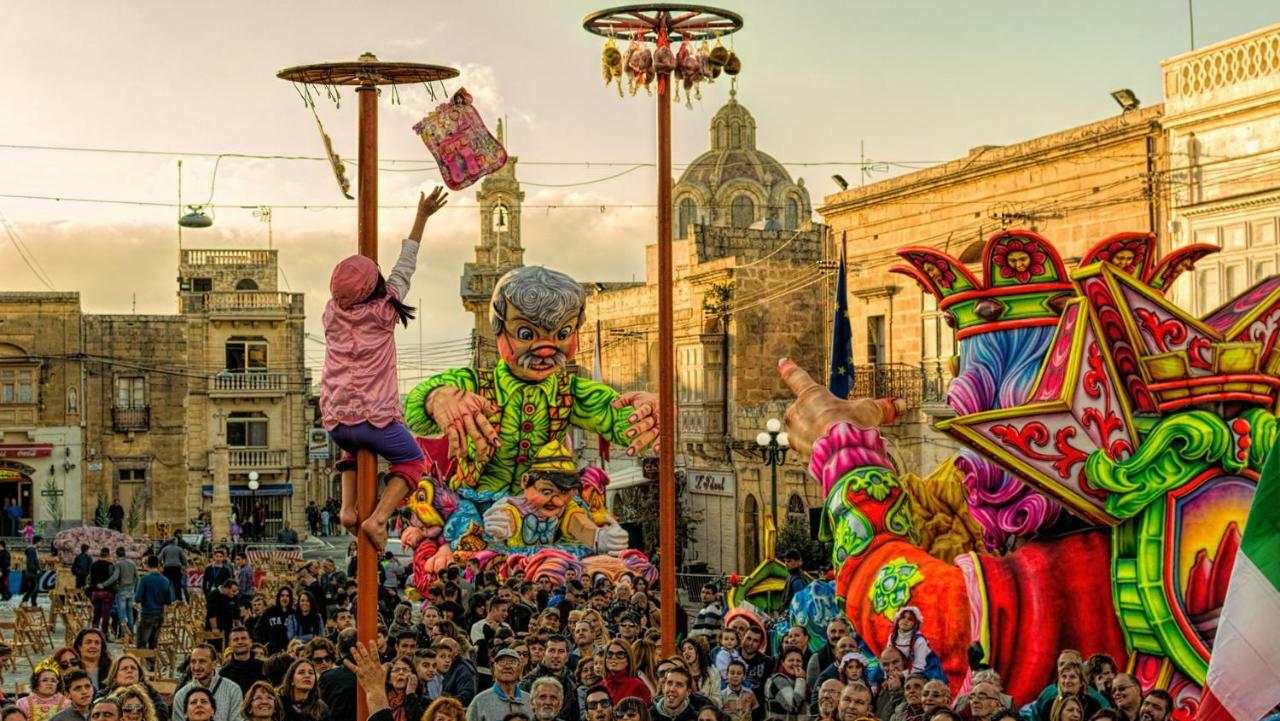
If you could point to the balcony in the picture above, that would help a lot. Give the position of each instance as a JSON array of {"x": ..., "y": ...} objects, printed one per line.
[
  {"x": 243, "y": 303},
  {"x": 257, "y": 459},
  {"x": 240, "y": 384},
  {"x": 920, "y": 386},
  {"x": 229, "y": 257},
  {"x": 125, "y": 420}
]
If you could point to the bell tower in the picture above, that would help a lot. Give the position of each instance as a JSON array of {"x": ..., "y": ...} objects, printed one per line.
[{"x": 499, "y": 251}]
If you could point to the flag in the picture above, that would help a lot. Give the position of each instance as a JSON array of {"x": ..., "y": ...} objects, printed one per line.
[
  {"x": 840, "y": 375},
  {"x": 1244, "y": 670},
  {"x": 598, "y": 376}
]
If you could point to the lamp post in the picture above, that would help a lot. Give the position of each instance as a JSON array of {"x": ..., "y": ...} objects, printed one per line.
[
  {"x": 664, "y": 24},
  {"x": 774, "y": 444},
  {"x": 253, "y": 504}
]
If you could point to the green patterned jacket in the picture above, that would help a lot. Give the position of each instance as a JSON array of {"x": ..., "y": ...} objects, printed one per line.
[{"x": 530, "y": 416}]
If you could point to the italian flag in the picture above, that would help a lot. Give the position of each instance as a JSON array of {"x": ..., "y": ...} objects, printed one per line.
[{"x": 1244, "y": 672}]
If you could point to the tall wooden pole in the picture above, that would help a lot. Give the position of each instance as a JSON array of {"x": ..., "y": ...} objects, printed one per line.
[
  {"x": 666, "y": 373},
  {"x": 366, "y": 462}
]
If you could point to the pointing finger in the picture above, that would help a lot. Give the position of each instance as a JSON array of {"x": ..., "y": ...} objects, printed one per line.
[{"x": 795, "y": 377}]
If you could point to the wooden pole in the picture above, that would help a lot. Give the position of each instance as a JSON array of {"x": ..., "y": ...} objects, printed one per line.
[
  {"x": 366, "y": 462},
  {"x": 666, "y": 374}
]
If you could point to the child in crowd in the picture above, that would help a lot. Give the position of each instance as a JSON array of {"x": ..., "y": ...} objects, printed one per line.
[
  {"x": 738, "y": 700},
  {"x": 359, "y": 398},
  {"x": 726, "y": 652},
  {"x": 906, "y": 637}
]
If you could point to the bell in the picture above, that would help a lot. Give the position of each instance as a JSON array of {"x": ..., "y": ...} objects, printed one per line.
[{"x": 196, "y": 218}]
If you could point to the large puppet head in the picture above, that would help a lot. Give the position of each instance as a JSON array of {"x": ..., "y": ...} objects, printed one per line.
[
  {"x": 535, "y": 314},
  {"x": 552, "y": 479}
]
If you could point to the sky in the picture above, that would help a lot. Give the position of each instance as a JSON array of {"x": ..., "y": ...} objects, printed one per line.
[{"x": 907, "y": 81}]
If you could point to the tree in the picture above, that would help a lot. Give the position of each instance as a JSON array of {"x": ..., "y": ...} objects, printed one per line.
[
  {"x": 100, "y": 516},
  {"x": 795, "y": 534},
  {"x": 639, "y": 505},
  {"x": 53, "y": 501},
  {"x": 137, "y": 509}
]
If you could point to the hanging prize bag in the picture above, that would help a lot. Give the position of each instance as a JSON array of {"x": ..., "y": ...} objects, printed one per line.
[{"x": 463, "y": 147}]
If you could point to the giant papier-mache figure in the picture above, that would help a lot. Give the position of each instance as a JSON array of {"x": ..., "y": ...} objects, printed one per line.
[
  {"x": 507, "y": 486},
  {"x": 1112, "y": 446}
]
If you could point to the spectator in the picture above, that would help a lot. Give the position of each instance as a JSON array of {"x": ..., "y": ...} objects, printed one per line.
[
  {"x": 829, "y": 700},
  {"x": 46, "y": 697},
  {"x": 115, "y": 516},
  {"x": 796, "y": 579},
  {"x": 261, "y": 703},
  {"x": 620, "y": 679},
  {"x": 215, "y": 574},
  {"x": 444, "y": 709},
  {"x": 1100, "y": 669},
  {"x": 104, "y": 600},
  {"x": 153, "y": 594},
  {"x": 223, "y": 697},
  {"x": 80, "y": 565},
  {"x": 739, "y": 702},
  {"x": 458, "y": 674},
  {"x": 505, "y": 696},
  {"x": 127, "y": 671},
  {"x": 124, "y": 580},
  {"x": 673, "y": 704},
  {"x": 241, "y": 668},
  {"x": 985, "y": 701},
  {"x": 546, "y": 699},
  {"x": 855, "y": 701},
  {"x": 784, "y": 692},
  {"x": 90, "y": 646},
  {"x": 173, "y": 558},
  {"x": 554, "y": 662},
  {"x": 891, "y": 693},
  {"x": 300, "y": 695},
  {"x": 1070, "y": 683},
  {"x": 706, "y": 679},
  {"x": 105, "y": 709},
  {"x": 222, "y": 611},
  {"x": 936, "y": 695},
  {"x": 31, "y": 573},
  {"x": 1067, "y": 707},
  {"x": 1156, "y": 706},
  {"x": 245, "y": 581},
  {"x": 272, "y": 629},
  {"x": 135, "y": 704},
  {"x": 79, "y": 697},
  {"x": 632, "y": 709},
  {"x": 1127, "y": 696},
  {"x": 287, "y": 535}
]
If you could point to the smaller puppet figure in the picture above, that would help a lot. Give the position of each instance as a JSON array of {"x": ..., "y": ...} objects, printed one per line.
[{"x": 547, "y": 513}]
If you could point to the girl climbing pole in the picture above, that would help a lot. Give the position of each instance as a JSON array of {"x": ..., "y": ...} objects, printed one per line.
[{"x": 359, "y": 398}]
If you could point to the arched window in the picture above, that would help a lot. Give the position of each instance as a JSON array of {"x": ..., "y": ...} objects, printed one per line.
[
  {"x": 721, "y": 136},
  {"x": 742, "y": 211},
  {"x": 791, "y": 214},
  {"x": 735, "y": 137},
  {"x": 686, "y": 215},
  {"x": 751, "y": 533},
  {"x": 246, "y": 284},
  {"x": 501, "y": 219}
]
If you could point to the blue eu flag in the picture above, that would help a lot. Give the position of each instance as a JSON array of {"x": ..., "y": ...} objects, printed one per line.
[{"x": 841, "y": 371}]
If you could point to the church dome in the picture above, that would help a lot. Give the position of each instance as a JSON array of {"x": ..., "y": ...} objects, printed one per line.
[{"x": 736, "y": 184}]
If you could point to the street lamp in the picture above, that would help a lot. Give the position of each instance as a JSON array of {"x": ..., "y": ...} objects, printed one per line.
[
  {"x": 774, "y": 444},
  {"x": 253, "y": 505}
]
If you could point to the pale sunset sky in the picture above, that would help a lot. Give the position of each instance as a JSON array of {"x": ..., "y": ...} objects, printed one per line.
[{"x": 915, "y": 80}]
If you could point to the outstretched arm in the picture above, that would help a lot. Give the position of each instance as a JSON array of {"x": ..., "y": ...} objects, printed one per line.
[{"x": 398, "y": 278}]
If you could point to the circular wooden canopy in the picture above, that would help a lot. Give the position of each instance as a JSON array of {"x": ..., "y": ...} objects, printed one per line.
[
  {"x": 682, "y": 22},
  {"x": 367, "y": 71}
]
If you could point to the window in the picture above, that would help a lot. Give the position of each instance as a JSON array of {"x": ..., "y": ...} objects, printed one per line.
[
  {"x": 247, "y": 355},
  {"x": 132, "y": 475},
  {"x": 875, "y": 340},
  {"x": 1207, "y": 289},
  {"x": 501, "y": 219},
  {"x": 691, "y": 374},
  {"x": 202, "y": 285},
  {"x": 246, "y": 284},
  {"x": 1264, "y": 233},
  {"x": 685, "y": 216},
  {"x": 938, "y": 340},
  {"x": 735, "y": 136},
  {"x": 247, "y": 430},
  {"x": 18, "y": 386},
  {"x": 1207, "y": 235},
  {"x": 131, "y": 392},
  {"x": 791, "y": 214},
  {"x": 797, "y": 514},
  {"x": 1237, "y": 280},
  {"x": 1233, "y": 238},
  {"x": 742, "y": 212}
]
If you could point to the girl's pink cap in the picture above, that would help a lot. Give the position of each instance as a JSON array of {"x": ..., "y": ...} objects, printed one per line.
[{"x": 353, "y": 280}]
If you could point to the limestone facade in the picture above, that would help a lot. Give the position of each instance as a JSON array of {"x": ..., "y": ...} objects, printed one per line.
[{"x": 1222, "y": 117}]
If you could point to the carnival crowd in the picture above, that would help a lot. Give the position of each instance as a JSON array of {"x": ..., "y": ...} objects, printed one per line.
[{"x": 480, "y": 649}]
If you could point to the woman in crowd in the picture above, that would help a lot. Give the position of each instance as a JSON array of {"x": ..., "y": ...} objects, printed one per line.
[
  {"x": 127, "y": 671},
  {"x": 1100, "y": 669},
  {"x": 307, "y": 622},
  {"x": 1067, "y": 708},
  {"x": 300, "y": 695},
  {"x": 261, "y": 703},
  {"x": 46, "y": 697},
  {"x": 199, "y": 705},
  {"x": 620, "y": 676},
  {"x": 632, "y": 709},
  {"x": 405, "y": 704},
  {"x": 645, "y": 654},
  {"x": 706, "y": 679},
  {"x": 66, "y": 659},
  {"x": 443, "y": 709},
  {"x": 1070, "y": 683},
  {"x": 91, "y": 647},
  {"x": 785, "y": 694},
  {"x": 273, "y": 627},
  {"x": 590, "y": 671},
  {"x": 135, "y": 704}
]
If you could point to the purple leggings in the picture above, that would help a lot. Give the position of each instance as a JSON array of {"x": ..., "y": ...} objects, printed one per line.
[{"x": 394, "y": 443}]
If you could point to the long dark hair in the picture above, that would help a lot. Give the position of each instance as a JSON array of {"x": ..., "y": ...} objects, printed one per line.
[{"x": 404, "y": 312}]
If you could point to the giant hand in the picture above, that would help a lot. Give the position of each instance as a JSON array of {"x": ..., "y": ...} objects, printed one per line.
[
  {"x": 644, "y": 419},
  {"x": 462, "y": 415},
  {"x": 816, "y": 410},
  {"x": 499, "y": 524},
  {"x": 610, "y": 538}
]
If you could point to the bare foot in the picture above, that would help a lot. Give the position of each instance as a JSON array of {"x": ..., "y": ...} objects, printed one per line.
[
  {"x": 347, "y": 517},
  {"x": 376, "y": 533}
]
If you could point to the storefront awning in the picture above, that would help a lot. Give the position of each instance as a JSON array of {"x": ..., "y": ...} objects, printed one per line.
[{"x": 266, "y": 489}]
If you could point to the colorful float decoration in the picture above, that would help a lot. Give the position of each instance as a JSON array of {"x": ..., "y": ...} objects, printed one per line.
[
  {"x": 690, "y": 65},
  {"x": 1112, "y": 446},
  {"x": 523, "y": 508}
]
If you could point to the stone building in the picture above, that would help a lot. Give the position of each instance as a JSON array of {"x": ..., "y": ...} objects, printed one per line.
[
  {"x": 749, "y": 289},
  {"x": 136, "y": 380},
  {"x": 42, "y": 389},
  {"x": 1222, "y": 119},
  {"x": 247, "y": 414},
  {"x": 1074, "y": 187}
]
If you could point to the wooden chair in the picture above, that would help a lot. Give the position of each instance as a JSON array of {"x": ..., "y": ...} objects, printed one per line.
[
  {"x": 166, "y": 687},
  {"x": 37, "y": 623},
  {"x": 148, "y": 657},
  {"x": 19, "y": 642},
  {"x": 7, "y": 654}
]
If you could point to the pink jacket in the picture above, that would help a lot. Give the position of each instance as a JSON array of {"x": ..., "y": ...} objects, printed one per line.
[{"x": 359, "y": 379}]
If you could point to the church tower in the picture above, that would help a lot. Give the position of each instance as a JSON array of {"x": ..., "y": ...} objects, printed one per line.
[{"x": 499, "y": 251}]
